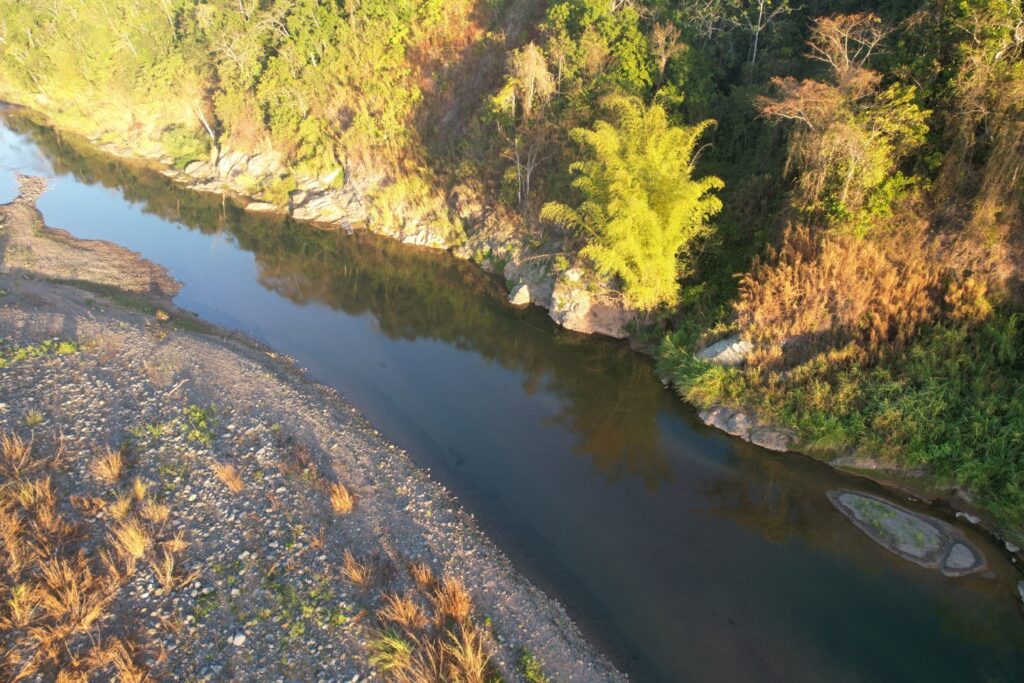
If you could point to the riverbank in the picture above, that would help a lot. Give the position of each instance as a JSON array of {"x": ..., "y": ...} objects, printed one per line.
[{"x": 243, "y": 455}]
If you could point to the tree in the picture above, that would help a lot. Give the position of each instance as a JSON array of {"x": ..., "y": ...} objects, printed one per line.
[
  {"x": 851, "y": 133},
  {"x": 641, "y": 211},
  {"x": 756, "y": 16},
  {"x": 530, "y": 78},
  {"x": 666, "y": 43}
]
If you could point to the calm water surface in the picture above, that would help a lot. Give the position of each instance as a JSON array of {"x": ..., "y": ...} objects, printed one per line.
[{"x": 685, "y": 554}]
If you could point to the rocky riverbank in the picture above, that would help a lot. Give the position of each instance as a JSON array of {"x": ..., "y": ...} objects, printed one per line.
[
  {"x": 261, "y": 182},
  {"x": 255, "y": 527}
]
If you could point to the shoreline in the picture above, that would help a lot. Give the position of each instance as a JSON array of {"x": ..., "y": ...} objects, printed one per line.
[{"x": 401, "y": 515}]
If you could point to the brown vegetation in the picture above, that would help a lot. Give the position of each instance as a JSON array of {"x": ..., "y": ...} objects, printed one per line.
[
  {"x": 813, "y": 294},
  {"x": 412, "y": 648},
  {"x": 342, "y": 501},
  {"x": 63, "y": 571},
  {"x": 229, "y": 476},
  {"x": 108, "y": 465}
]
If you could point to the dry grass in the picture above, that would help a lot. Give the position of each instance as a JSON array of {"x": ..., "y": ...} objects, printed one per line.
[
  {"x": 817, "y": 294},
  {"x": 229, "y": 476},
  {"x": 62, "y": 575},
  {"x": 403, "y": 610},
  {"x": 15, "y": 456},
  {"x": 131, "y": 541},
  {"x": 168, "y": 572},
  {"x": 354, "y": 571},
  {"x": 467, "y": 654},
  {"x": 342, "y": 501},
  {"x": 108, "y": 466},
  {"x": 423, "y": 575},
  {"x": 155, "y": 513},
  {"x": 451, "y": 600},
  {"x": 412, "y": 648},
  {"x": 139, "y": 489}
]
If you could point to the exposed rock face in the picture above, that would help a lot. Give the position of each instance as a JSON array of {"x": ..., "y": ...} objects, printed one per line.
[
  {"x": 730, "y": 352},
  {"x": 575, "y": 308},
  {"x": 744, "y": 424},
  {"x": 921, "y": 539},
  {"x": 520, "y": 295}
]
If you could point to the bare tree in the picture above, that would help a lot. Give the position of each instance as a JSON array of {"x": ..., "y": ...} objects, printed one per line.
[
  {"x": 666, "y": 43},
  {"x": 533, "y": 81},
  {"x": 846, "y": 41}
]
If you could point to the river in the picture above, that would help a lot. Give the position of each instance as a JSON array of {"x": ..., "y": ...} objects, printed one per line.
[{"x": 686, "y": 555}]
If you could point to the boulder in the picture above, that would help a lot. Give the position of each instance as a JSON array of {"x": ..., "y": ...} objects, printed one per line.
[
  {"x": 772, "y": 438},
  {"x": 731, "y": 421},
  {"x": 198, "y": 169},
  {"x": 730, "y": 352},
  {"x": 575, "y": 308},
  {"x": 520, "y": 295}
]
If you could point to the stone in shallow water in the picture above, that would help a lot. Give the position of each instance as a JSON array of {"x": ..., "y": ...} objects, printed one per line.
[
  {"x": 960, "y": 558},
  {"x": 921, "y": 539}
]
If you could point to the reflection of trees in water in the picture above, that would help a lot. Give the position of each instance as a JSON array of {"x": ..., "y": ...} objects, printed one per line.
[
  {"x": 609, "y": 396},
  {"x": 761, "y": 494}
]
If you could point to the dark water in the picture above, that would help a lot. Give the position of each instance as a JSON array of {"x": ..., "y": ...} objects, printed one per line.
[{"x": 686, "y": 555}]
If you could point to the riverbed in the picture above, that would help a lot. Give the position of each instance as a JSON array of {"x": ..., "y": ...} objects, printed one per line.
[{"x": 681, "y": 552}]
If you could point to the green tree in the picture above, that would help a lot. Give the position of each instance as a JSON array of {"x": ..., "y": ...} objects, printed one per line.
[{"x": 642, "y": 210}]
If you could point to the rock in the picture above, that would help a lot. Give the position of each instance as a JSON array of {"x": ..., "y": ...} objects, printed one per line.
[
  {"x": 730, "y": 352},
  {"x": 959, "y": 558},
  {"x": 260, "y": 207},
  {"x": 520, "y": 295},
  {"x": 238, "y": 639},
  {"x": 921, "y": 539},
  {"x": 1011, "y": 547},
  {"x": 973, "y": 519},
  {"x": 772, "y": 438},
  {"x": 577, "y": 309},
  {"x": 735, "y": 422},
  {"x": 198, "y": 169},
  {"x": 1020, "y": 590}
]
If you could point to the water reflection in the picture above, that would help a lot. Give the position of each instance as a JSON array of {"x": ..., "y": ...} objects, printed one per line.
[{"x": 412, "y": 294}]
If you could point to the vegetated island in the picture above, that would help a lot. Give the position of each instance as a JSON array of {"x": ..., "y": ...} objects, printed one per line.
[
  {"x": 177, "y": 504},
  {"x": 620, "y": 163}
]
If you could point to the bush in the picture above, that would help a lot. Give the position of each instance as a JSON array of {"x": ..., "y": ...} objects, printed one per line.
[{"x": 185, "y": 145}]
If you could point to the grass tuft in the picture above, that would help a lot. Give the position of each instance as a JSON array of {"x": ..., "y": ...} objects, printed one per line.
[
  {"x": 108, "y": 466},
  {"x": 229, "y": 476},
  {"x": 354, "y": 571},
  {"x": 342, "y": 501}
]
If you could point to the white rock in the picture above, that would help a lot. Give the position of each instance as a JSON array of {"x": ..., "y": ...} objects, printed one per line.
[
  {"x": 520, "y": 295},
  {"x": 730, "y": 352},
  {"x": 238, "y": 639}
]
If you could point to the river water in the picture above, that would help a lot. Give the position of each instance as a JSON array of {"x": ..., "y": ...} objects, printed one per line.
[{"x": 686, "y": 555}]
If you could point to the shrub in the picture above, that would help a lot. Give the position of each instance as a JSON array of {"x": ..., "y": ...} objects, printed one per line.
[{"x": 185, "y": 145}]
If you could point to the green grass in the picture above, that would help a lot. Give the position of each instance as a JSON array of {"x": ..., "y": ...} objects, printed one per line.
[
  {"x": 531, "y": 669},
  {"x": 199, "y": 423},
  {"x": 951, "y": 403},
  {"x": 11, "y": 354}
]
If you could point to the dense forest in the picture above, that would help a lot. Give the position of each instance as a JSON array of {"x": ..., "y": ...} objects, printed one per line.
[{"x": 840, "y": 183}]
